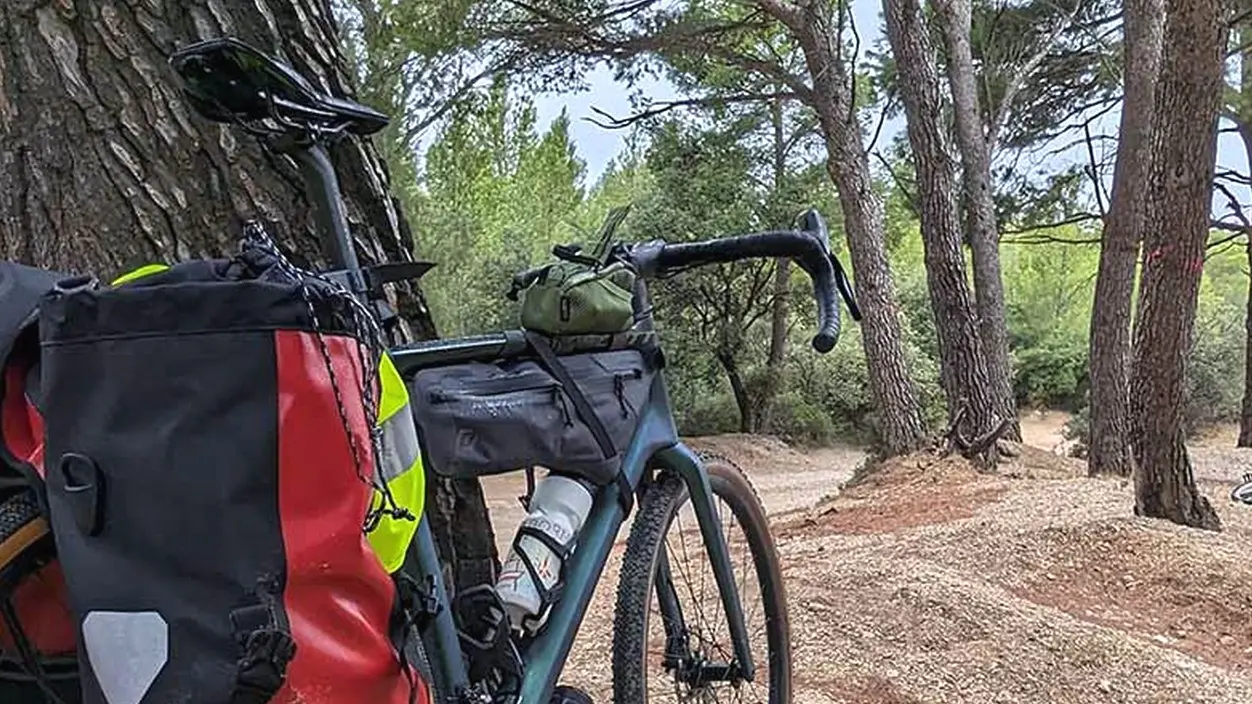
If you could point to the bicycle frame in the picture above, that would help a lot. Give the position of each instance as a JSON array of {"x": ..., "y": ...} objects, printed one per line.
[{"x": 655, "y": 447}]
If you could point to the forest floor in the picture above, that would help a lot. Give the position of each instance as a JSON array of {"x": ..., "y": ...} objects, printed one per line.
[{"x": 930, "y": 582}]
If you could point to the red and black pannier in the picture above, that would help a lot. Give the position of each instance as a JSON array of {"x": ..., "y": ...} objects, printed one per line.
[{"x": 208, "y": 471}]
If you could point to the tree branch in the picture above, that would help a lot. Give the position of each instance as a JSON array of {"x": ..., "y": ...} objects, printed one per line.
[
  {"x": 1094, "y": 172},
  {"x": 553, "y": 32},
  {"x": 1001, "y": 115},
  {"x": 788, "y": 13},
  {"x": 914, "y": 204},
  {"x": 413, "y": 131},
  {"x": 882, "y": 119},
  {"x": 1034, "y": 229},
  {"x": 616, "y": 123}
]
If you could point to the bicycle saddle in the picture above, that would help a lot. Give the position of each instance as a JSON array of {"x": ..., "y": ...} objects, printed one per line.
[{"x": 226, "y": 80}]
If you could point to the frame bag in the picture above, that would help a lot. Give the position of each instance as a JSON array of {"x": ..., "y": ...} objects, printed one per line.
[
  {"x": 573, "y": 414},
  {"x": 210, "y": 471}
]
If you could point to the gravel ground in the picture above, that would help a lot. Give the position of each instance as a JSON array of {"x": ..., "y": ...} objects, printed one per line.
[{"x": 932, "y": 583}]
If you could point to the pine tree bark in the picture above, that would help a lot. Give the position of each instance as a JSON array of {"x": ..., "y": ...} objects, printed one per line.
[
  {"x": 1242, "y": 117},
  {"x": 103, "y": 167},
  {"x": 1245, "y": 415},
  {"x": 743, "y": 400},
  {"x": 956, "y": 18},
  {"x": 962, "y": 361},
  {"x": 1109, "y": 352},
  {"x": 899, "y": 422},
  {"x": 1184, "y": 144}
]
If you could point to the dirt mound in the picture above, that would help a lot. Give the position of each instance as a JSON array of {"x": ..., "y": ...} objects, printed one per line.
[
  {"x": 1033, "y": 584},
  {"x": 926, "y": 489},
  {"x": 1184, "y": 591},
  {"x": 928, "y": 582},
  {"x": 1030, "y": 462},
  {"x": 899, "y": 494},
  {"x": 788, "y": 479}
]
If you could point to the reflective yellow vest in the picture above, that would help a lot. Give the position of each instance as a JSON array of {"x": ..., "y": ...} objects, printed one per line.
[
  {"x": 399, "y": 463},
  {"x": 400, "y": 467}
]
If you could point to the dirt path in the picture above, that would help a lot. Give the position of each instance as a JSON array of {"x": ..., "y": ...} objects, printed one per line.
[
  {"x": 932, "y": 583},
  {"x": 786, "y": 479}
]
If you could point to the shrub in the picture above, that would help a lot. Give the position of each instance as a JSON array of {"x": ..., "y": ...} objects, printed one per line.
[
  {"x": 799, "y": 421},
  {"x": 1052, "y": 374},
  {"x": 707, "y": 414}
]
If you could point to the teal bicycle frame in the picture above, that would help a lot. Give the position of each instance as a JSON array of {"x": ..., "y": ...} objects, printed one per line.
[{"x": 655, "y": 447}]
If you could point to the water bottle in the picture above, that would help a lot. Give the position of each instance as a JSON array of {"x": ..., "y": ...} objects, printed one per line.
[{"x": 558, "y": 509}]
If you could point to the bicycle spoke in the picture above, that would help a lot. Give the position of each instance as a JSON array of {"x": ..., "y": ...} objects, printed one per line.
[{"x": 708, "y": 633}]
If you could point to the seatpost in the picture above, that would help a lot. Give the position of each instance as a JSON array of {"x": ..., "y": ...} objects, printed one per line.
[{"x": 323, "y": 189}]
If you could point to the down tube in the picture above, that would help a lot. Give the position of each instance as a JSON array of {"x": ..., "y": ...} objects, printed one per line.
[
  {"x": 686, "y": 464},
  {"x": 546, "y": 655},
  {"x": 443, "y": 648}
]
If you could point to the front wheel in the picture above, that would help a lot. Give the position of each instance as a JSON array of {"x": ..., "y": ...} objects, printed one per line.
[{"x": 671, "y": 641}]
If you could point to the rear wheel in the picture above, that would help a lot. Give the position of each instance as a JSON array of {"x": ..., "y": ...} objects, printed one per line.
[
  {"x": 21, "y": 526},
  {"x": 26, "y": 547},
  {"x": 671, "y": 641}
]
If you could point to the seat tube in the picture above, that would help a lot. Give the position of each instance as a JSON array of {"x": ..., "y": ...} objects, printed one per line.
[{"x": 323, "y": 190}]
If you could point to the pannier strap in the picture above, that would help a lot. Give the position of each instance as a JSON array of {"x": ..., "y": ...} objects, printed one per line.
[
  {"x": 266, "y": 648},
  {"x": 549, "y": 359}
]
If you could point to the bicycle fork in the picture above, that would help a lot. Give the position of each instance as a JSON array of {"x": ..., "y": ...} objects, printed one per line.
[{"x": 682, "y": 461}]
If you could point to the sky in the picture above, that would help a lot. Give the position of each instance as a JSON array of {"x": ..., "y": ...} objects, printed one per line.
[{"x": 597, "y": 146}]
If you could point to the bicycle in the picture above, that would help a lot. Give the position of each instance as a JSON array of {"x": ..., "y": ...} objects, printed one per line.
[
  {"x": 247, "y": 88},
  {"x": 1243, "y": 491}
]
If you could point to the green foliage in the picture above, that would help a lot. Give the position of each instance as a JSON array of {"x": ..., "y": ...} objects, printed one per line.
[
  {"x": 497, "y": 194},
  {"x": 1048, "y": 291},
  {"x": 1215, "y": 365},
  {"x": 494, "y": 190}
]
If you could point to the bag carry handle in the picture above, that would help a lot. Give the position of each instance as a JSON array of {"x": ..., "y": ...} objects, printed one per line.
[{"x": 585, "y": 412}]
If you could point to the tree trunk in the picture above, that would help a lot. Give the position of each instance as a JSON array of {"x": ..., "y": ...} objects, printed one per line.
[
  {"x": 1109, "y": 446},
  {"x": 743, "y": 400},
  {"x": 899, "y": 422},
  {"x": 984, "y": 231},
  {"x": 962, "y": 362},
  {"x": 1245, "y": 416},
  {"x": 1184, "y": 144},
  {"x": 104, "y": 167},
  {"x": 780, "y": 311},
  {"x": 1243, "y": 113}
]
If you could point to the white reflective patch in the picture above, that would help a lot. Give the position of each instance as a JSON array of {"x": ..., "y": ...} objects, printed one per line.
[
  {"x": 127, "y": 651},
  {"x": 399, "y": 444}
]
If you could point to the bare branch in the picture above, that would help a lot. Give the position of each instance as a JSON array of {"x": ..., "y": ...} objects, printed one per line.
[
  {"x": 1233, "y": 205},
  {"x": 413, "y": 131},
  {"x": 882, "y": 119},
  {"x": 908, "y": 195},
  {"x": 1232, "y": 176},
  {"x": 1238, "y": 230},
  {"x": 1041, "y": 238},
  {"x": 616, "y": 123},
  {"x": 1094, "y": 172},
  {"x": 1036, "y": 230}
]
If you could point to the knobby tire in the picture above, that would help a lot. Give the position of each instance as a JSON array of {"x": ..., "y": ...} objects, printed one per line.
[{"x": 661, "y": 503}]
